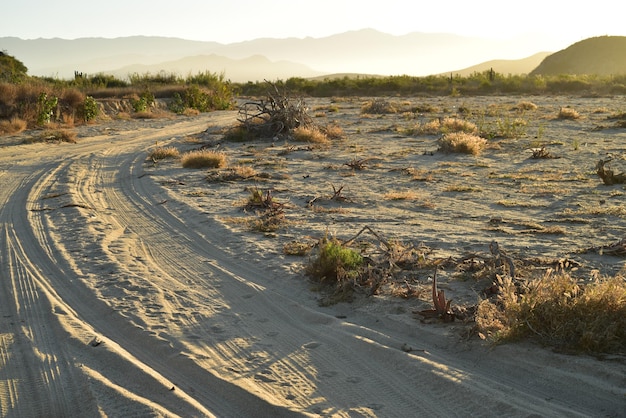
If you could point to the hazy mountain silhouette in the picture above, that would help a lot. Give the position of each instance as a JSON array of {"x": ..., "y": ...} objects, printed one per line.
[
  {"x": 603, "y": 55},
  {"x": 254, "y": 68},
  {"x": 364, "y": 51}
]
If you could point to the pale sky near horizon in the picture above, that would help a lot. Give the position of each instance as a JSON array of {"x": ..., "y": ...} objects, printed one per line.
[{"x": 559, "y": 23}]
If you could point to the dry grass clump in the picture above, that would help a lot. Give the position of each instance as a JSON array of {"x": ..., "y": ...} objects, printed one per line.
[
  {"x": 203, "y": 159},
  {"x": 298, "y": 248},
  {"x": 333, "y": 131},
  {"x": 568, "y": 113},
  {"x": 403, "y": 195},
  {"x": 13, "y": 126},
  {"x": 461, "y": 142},
  {"x": 458, "y": 125},
  {"x": 378, "y": 107},
  {"x": 56, "y": 135},
  {"x": 445, "y": 125},
  {"x": 556, "y": 309},
  {"x": 311, "y": 135},
  {"x": 432, "y": 127},
  {"x": 525, "y": 105},
  {"x": 161, "y": 153}
]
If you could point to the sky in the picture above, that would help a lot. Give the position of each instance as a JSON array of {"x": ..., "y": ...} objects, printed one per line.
[{"x": 558, "y": 23}]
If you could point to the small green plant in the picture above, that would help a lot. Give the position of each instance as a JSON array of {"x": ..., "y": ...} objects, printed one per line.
[
  {"x": 335, "y": 262},
  {"x": 47, "y": 106},
  {"x": 90, "y": 108},
  {"x": 511, "y": 128},
  {"x": 143, "y": 103}
]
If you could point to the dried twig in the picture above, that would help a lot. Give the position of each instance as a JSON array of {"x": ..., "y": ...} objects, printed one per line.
[
  {"x": 276, "y": 115},
  {"x": 607, "y": 175}
]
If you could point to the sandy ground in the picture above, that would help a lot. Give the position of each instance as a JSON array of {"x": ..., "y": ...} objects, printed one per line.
[{"x": 130, "y": 288}]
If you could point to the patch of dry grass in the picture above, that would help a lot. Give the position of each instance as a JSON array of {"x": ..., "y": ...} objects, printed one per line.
[
  {"x": 56, "y": 135},
  {"x": 525, "y": 105},
  {"x": 378, "y": 107},
  {"x": 558, "y": 310},
  {"x": 161, "y": 153},
  {"x": 462, "y": 142},
  {"x": 403, "y": 195},
  {"x": 568, "y": 113},
  {"x": 311, "y": 135},
  {"x": 13, "y": 126},
  {"x": 203, "y": 159},
  {"x": 449, "y": 125}
]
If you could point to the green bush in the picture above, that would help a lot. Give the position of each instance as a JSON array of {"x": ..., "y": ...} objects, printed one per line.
[
  {"x": 90, "y": 109},
  {"x": 334, "y": 262},
  {"x": 47, "y": 106}
]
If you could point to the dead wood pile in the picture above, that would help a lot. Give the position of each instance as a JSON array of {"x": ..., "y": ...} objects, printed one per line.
[{"x": 276, "y": 115}]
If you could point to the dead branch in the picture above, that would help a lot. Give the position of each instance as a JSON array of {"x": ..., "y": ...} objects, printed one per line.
[
  {"x": 607, "y": 175},
  {"x": 499, "y": 255},
  {"x": 277, "y": 114}
]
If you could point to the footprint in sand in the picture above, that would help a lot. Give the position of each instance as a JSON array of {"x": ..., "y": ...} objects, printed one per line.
[{"x": 312, "y": 345}]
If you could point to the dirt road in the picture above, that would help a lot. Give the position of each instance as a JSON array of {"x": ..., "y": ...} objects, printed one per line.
[{"x": 115, "y": 301}]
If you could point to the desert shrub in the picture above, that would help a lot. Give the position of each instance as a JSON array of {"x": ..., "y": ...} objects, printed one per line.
[
  {"x": 296, "y": 248},
  {"x": 161, "y": 153},
  {"x": 378, "y": 107},
  {"x": 13, "y": 126},
  {"x": 143, "y": 102},
  {"x": 203, "y": 159},
  {"x": 310, "y": 134},
  {"x": 270, "y": 213},
  {"x": 238, "y": 133},
  {"x": 334, "y": 262},
  {"x": 461, "y": 142},
  {"x": 568, "y": 113},
  {"x": 525, "y": 105},
  {"x": 90, "y": 109},
  {"x": 333, "y": 131},
  {"x": 558, "y": 311},
  {"x": 458, "y": 125},
  {"x": 56, "y": 135},
  {"x": 510, "y": 127},
  {"x": 46, "y": 108},
  {"x": 432, "y": 127}
]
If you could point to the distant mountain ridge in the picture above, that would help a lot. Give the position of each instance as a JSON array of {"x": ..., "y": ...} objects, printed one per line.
[
  {"x": 602, "y": 55},
  {"x": 364, "y": 51}
]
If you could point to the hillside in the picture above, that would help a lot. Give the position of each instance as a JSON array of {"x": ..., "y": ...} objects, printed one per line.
[
  {"x": 603, "y": 55},
  {"x": 506, "y": 67}
]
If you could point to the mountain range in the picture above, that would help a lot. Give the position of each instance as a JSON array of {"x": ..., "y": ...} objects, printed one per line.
[{"x": 364, "y": 51}]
